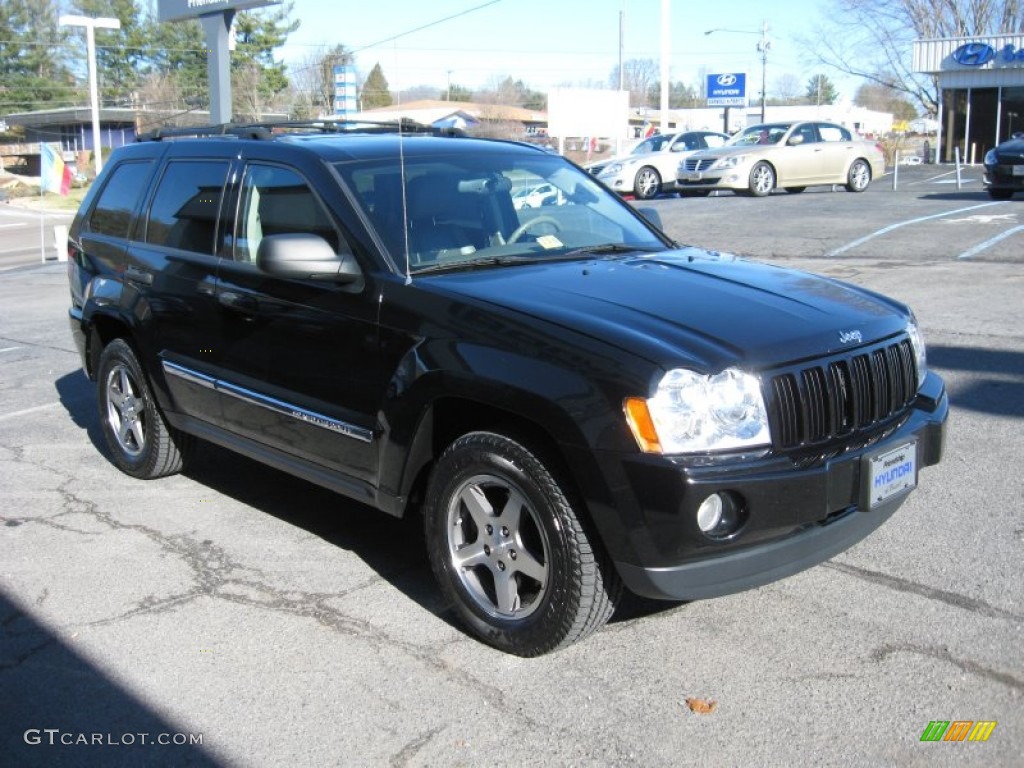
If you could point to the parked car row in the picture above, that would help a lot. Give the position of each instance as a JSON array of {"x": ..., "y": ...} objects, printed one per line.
[{"x": 756, "y": 161}]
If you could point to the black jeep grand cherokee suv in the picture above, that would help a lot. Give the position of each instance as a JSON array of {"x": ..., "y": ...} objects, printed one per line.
[{"x": 573, "y": 401}]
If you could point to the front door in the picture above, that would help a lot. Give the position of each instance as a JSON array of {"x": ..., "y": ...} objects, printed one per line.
[{"x": 301, "y": 369}]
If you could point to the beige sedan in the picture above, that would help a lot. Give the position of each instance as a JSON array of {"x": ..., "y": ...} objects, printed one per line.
[{"x": 790, "y": 155}]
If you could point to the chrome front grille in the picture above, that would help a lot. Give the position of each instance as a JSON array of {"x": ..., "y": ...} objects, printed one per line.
[
  {"x": 692, "y": 165},
  {"x": 835, "y": 397}
]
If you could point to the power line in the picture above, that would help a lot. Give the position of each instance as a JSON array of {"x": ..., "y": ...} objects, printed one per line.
[{"x": 426, "y": 26}]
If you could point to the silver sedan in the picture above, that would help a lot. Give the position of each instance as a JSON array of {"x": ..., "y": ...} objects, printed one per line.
[{"x": 787, "y": 155}]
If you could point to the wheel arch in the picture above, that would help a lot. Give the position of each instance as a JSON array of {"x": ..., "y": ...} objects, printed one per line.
[{"x": 539, "y": 425}]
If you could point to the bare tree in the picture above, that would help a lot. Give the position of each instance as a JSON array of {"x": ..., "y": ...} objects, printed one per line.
[
  {"x": 638, "y": 76},
  {"x": 873, "y": 39},
  {"x": 788, "y": 89}
]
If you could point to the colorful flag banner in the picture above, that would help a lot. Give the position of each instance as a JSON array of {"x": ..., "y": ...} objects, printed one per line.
[{"x": 54, "y": 175}]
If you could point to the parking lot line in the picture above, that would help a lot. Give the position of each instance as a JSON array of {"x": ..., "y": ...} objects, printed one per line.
[
  {"x": 990, "y": 242},
  {"x": 26, "y": 411},
  {"x": 897, "y": 225}
]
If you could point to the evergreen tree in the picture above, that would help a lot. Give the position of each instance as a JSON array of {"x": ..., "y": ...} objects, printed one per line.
[
  {"x": 33, "y": 58},
  {"x": 821, "y": 91},
  {"x": 120, "y": 53},
  {"x": 375, "y": 89},
  {"x": 256, "y": 77}
]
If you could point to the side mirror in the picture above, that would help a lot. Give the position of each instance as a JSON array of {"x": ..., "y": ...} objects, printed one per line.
[
  {"x": 302, "y": 256},
  {"x": 795, "y": 139},
  {"x": 652, "y": 216}
]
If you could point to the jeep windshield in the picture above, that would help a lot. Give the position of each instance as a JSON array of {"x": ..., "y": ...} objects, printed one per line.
[{"x": 466, "y": 210}]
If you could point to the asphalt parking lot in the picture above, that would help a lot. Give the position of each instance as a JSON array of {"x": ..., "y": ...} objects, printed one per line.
[{"x": 246, "y": 618}]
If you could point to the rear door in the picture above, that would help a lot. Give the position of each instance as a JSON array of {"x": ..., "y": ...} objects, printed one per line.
[
  {"x": 838, "y": 149},
  {"x": 172, "y": 265}
]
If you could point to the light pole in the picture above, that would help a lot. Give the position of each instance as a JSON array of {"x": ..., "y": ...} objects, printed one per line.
[
  {"x": 762, "y": 47},
  {"x": 90, "y": 25}
]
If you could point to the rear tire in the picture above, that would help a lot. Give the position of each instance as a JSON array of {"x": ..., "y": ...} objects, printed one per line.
[
  {"x": 510, "y": 551},
  {"x": 859, "y": 176},
  {"x": 140, "y": 441}
]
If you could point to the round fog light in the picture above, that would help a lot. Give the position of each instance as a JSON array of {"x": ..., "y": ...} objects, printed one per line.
[{"x": 709, "y": 515}]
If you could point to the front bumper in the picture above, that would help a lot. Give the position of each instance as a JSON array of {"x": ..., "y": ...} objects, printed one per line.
[
  {"x": 1002, "y": 177},
  {"x": 796, "y": 517}
]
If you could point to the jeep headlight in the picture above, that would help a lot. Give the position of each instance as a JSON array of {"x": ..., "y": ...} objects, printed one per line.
[
  {"x": 731, "y": 161},
  {"x": 917, "y": 342},
  {"x": 693, "y": 412}
]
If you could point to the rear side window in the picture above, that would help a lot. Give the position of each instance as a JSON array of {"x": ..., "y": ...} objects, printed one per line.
[
  {"x": 113, "y": 212},
  {"x": 833, "y": 133},
  {"x": 186, "y": 205}
]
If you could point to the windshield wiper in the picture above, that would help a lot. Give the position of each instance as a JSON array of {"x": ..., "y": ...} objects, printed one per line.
[
  {"x": 482, "y": 261},
  {"x": 609, "y": 249}
]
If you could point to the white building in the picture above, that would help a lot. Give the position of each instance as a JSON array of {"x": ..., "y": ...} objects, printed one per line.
[
  {"x": 981, "y": 91},
  {"x": 730, "y": 119}
]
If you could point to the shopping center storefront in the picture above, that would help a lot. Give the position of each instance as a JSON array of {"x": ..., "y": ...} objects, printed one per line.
[{"x": 981, "y": 87}]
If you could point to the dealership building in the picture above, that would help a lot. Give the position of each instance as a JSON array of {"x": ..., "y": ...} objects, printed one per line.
[{"x": 981, "y": 91}]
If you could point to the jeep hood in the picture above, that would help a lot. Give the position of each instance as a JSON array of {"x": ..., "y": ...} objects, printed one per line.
[{"x": 689, "y": 307}]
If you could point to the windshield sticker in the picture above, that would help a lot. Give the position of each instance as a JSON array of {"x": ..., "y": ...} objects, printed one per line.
[{"x": 548, "y": 242}]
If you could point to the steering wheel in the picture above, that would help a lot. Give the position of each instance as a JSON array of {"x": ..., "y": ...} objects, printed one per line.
[{"x": 522, "y": 228}]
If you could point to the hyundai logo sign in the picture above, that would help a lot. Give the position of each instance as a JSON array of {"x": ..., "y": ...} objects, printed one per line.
[
  {"x": 727, "y": 89},
  {"x": 974, "y": 54}
]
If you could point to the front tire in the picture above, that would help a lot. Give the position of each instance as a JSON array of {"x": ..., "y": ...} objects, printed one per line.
[
  {"x": 762, "y": 180},
  {"x": 140, "y": 441},
  {"x": 647, "y": 183},
  {"x": 859, "y": 176},
  {"x": 509, "y": 549},
  {"x": 1000, "y": 194}
]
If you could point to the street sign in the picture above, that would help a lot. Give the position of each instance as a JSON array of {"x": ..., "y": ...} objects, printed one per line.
[
  {"x": 171, "y": 10},
  {"x": 727, "y": 89}
]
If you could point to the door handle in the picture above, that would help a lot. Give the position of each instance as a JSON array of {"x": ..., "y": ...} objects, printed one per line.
[
  {"x": 238, "y": 302},
  {"x": 137, "y": 275}
]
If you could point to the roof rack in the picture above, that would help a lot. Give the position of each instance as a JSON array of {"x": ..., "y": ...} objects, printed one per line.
[{"x": 270, "y": 130}]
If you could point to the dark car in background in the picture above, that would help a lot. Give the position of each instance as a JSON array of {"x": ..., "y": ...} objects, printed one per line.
[
  {"x": 1004, "y": 168},
  {"x": 574, "y": 403}
]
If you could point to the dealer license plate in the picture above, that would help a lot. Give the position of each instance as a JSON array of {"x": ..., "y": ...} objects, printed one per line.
[
  {"x": 694, "y": 176},
  {"x": 1018, "y": 170},
  {"x": 891, "y": 473}
]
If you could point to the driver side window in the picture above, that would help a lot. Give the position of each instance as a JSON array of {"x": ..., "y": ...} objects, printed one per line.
[{"x": 277, "y": 201}]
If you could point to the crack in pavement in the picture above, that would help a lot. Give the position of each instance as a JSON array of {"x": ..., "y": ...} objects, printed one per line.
[
  {"x": 942, "y": 654},
  {"x": 979, "y": 607},
  {"x": 410, "y": 750},
  {"x": 214, "y": 574}
]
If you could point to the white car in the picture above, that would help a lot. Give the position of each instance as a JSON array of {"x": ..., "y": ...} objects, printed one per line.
[
  {"x": 535, "y": 197},
  {"x": 652, "y": 166}
]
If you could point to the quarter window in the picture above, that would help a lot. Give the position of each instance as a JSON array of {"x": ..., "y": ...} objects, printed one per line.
[
  {"x": 186, "y": 205},
  {"x": 113, "y": 212}
]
